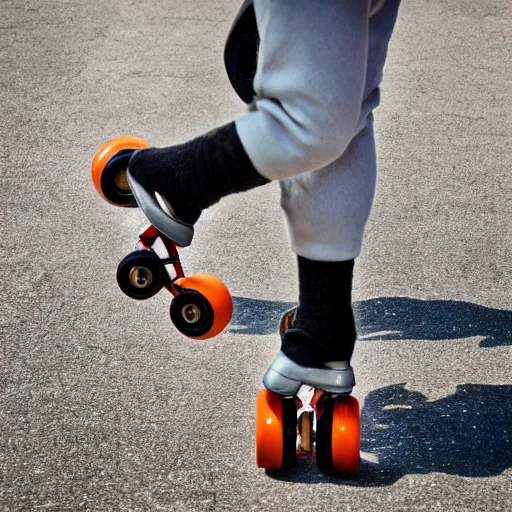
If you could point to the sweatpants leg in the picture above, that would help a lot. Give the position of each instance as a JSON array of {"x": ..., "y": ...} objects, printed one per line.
[
  {"x": 309, "y": 84},
  {"x": 318, "y": 70},
  {"x": 327, "y": 210}
]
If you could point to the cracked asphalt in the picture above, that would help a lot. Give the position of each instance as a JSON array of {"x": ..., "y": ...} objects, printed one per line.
[{"x": 104, "y": 407}]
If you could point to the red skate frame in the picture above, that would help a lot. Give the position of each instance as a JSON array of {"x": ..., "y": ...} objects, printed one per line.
[{"x": 146, "y": 240}]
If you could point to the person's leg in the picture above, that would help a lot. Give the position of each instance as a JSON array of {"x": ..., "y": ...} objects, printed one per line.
[
  {"x": 193, "y": 176},
  {"x": 320, "y": 331},
  {"x": 309, "y": 85},
  {"x": 326, "y": 213}
]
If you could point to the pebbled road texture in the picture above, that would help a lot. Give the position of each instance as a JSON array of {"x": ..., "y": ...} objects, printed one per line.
[{"x": 105, "y": 407}]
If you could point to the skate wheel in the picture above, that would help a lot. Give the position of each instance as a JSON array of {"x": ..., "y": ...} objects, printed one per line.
[
  {"x": 338, "y": 436},
  {"x": 109, "y": 169},
  {"x": 203, "y": 308},
  {"x": 141, "y": 275},
  {"x": 276, "y": 431}
]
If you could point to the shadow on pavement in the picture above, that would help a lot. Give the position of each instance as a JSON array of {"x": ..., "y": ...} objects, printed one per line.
[
  {"x": 393, "y": 318},
  {"x": 468, "y": 434},
  {"x": 257, "y": 317}
]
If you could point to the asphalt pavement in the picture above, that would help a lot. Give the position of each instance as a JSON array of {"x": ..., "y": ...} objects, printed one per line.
[{"x": 105, "y": 407}]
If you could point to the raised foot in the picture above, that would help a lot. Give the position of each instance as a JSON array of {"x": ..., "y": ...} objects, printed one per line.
[{"x": 159, "y": 212}]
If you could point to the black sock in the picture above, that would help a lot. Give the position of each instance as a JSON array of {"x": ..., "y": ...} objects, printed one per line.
[
  {"x": 323, "y": 327},
  {"x": 197, "y": 174}
]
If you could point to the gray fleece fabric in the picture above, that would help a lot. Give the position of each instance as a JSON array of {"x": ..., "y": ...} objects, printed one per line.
[{"x": 319, "y": 66}]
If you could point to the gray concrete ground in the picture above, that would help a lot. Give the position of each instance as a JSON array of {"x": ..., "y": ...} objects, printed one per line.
[{"x": 105, "y": 407}]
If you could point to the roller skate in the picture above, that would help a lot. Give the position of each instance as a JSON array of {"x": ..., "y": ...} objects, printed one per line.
[
  {"x": 201, "y": 306},
  {"x": 327, "y": 427}
]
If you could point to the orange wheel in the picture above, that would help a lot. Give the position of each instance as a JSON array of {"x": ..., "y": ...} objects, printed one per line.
[
  {"x": 109, "y": 169},
  {"x": 276, "y": 431},
  {"x": 203, "y": 308},
  {"x": 346, "y": 436},
  {"x": 338, "y": 436}
]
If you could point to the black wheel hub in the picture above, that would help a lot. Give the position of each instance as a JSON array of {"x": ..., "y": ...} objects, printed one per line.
[
  {"x": 141, "y": 275},
  {"x": 191, "y": 313},
  {"x": 113, "y": 179}
]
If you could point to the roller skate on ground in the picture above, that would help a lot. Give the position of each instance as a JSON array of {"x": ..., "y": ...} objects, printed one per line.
[
  {"x": 201, "y": 306},
  {"x": 327, "y": 427}
]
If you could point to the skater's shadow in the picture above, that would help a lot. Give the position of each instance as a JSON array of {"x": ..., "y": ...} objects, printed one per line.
[
  {"x": 393, "y": 318},
  {"x": 468, "y": 434}
]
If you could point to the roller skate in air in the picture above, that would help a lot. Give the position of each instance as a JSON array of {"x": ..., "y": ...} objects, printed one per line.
[{"x": 201, "y": 306}]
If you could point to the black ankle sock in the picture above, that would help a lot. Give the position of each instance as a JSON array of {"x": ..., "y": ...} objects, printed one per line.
[
  {"x": 324, "y": 313},
  {"x": 197, "y": 174}
]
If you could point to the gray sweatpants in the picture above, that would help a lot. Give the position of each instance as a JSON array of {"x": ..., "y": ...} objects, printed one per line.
[{"x": 318, "y": 71}]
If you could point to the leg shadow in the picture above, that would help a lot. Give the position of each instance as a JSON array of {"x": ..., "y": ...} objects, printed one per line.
[{"x": 392, "y": 318}]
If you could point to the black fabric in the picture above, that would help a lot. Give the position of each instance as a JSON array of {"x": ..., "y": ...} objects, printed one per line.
[
  {"x": 301, "y": 348},
  {"x": 197, "y": 174},
  {"x": 324, "y": 326},
  {"x": 241, "y": 51}
]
